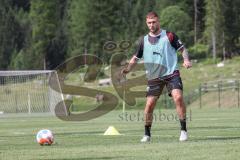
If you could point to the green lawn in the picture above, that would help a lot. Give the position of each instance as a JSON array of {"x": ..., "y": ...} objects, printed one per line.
[{"x": 214, "y": 134}]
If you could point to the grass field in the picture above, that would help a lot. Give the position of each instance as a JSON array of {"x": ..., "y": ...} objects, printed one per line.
[{"x": 214, "y": 134}]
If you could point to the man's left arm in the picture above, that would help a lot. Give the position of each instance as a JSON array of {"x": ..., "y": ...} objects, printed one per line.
[
  {"x": 186, "y": 61},
  {"x": 178, "y": 45}
]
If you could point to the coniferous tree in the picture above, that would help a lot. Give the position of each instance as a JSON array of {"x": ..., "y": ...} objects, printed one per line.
[
  {"x": 8, "y": 33},
  {"x": 38, "y": 34},
  {"x": 77, "y": 27},
  {"x": 92, "y": 23},
  {"x": 214, "y": 26},
  {"x": 48, "y": 34},
  {"x": 231, "y": 27}
]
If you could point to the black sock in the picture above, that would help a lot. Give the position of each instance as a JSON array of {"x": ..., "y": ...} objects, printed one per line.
[
  {"x": 148, "y": 130},
  {"x": 183, "y": 124}
]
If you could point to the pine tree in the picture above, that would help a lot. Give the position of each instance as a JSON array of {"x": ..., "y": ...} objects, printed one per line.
[
  {"x": 231, "y": 27},
  {"x": 77, "y": 27},
  {"x": 20, "y": 58},
  {"x": 214, "y": 26},
  {"x": 48, "y": 46},
  {"x": 8, "y": 33},
  {"x": 57, "y": 49},
  {"x": 92, "y": 23}
]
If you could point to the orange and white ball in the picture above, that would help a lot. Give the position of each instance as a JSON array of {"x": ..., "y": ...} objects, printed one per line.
[{"x": 45, "y": 137}]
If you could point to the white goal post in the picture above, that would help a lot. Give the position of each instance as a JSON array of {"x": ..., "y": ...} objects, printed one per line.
[{"x": 29, "y": 92}]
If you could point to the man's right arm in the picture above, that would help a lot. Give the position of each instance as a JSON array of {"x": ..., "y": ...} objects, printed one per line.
[
  {"x": 138, "y": 55},
  {"x": 131, "y": 65}
]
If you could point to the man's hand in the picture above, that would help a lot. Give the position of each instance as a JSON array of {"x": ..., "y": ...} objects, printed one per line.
[
  {"x": 187, "y": 64},
  {"x": 125, "y": 71},
  {"x": 130, "y": 66}
]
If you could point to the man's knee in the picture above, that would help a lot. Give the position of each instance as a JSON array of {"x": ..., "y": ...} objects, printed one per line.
[
  {"x": 177, "y": 95},
  {"x": 178, "y": 98}
]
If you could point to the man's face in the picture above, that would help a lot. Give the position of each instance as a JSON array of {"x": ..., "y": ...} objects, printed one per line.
[{"x": 153, "y": 24}]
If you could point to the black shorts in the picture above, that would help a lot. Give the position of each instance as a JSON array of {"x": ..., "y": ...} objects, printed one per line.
[{"x": 155, "y": 86}]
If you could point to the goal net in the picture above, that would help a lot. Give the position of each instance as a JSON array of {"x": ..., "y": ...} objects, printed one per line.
[{"x": 29, "y": 92}]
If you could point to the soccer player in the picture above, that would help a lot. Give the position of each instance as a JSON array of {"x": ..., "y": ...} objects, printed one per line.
[{"x": 159, "y": 52}]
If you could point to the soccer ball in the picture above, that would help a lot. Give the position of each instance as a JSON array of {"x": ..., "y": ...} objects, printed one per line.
[{"x": 45, "y": 137}]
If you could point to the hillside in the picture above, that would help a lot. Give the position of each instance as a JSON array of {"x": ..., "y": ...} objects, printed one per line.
[
  {"x": 204, "y": 73},
  {"x": 200, "y": 73}
]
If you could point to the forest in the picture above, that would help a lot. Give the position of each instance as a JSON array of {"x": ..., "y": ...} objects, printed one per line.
[{"x": 41, "y": 34}]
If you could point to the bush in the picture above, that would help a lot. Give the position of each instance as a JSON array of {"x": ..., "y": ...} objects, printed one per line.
[
  {"x": 198, "y": 51},
  {"x": 211, "y": 61}
]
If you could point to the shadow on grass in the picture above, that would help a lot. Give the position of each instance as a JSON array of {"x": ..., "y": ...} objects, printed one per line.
[
  {"x": 213, "y": 127},
  {"x": 217, "y": 138},
  {"x": 82, "y": 133},
  {"x": 87, "y": 158}
]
